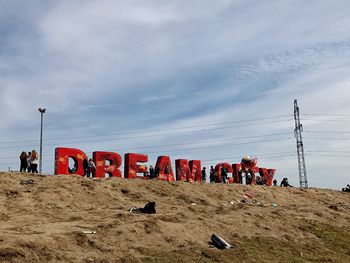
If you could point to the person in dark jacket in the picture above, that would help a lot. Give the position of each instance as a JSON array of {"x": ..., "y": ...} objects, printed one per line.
[
  {"x": 274, "y": 182},
  {"x": 156, "y": 171},
  {"x": 224, "y": 174},
  {"x": 204, "y": 175},
  {"x": 285, "y": 183},
  {"x": 151, "y": 172},
  {"x": 85, "y": 166},
  {"x": 24, "y": 162},
  {"x": 212, "y": 175}
]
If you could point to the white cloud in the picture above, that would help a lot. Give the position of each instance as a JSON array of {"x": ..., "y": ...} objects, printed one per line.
[{"x": 114, "y": 66}]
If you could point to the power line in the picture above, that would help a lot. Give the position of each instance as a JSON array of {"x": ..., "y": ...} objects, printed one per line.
[
  {"x": 327, "y": 138},
  {"x": 149, "y": 135},
  {"x": 208, "y": 124},
  {"x": 179, "y": 144},
  {"x": 332, "y": 115},
  {"x": 333, "y": 120},
  {"x": 330, "y": 155},
  {"x": 340, "y": 132},
  {"x": 329, "y": 151},
  {"x": 259, "y": 155},
  {"x": 228, "y": 159},
  {"x": 213, "y": 146},
  {"x": 225, "y": 145}
]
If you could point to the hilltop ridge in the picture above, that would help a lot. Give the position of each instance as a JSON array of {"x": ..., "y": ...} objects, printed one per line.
[{"x": 75, "y": 219}]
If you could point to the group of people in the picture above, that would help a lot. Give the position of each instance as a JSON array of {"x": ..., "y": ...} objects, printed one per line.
[
  {"x": 29, "y": 162},
  {"x": 89, "y": 168},
  {"x": 248, "y": 177},
  {"x": 153, "y": 172}
]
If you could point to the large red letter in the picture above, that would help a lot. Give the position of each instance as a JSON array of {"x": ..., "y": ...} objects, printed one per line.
[
  {"x": 100, "y": 159},
  {"x": 267, "y": 175},
  {"x": 163, "y": 167},
  {"x": 131, "y": 168},
  {"x": 62, "y": 156},
  {"x": 188, "y": 171}
]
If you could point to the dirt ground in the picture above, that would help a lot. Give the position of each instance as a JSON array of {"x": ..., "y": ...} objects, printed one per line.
[{"x": 74, "y": 219}]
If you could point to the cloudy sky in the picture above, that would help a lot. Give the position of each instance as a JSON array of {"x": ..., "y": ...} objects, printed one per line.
[{"x": 200, "y": 79}]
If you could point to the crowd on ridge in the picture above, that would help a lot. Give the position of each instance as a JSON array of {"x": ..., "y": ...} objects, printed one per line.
[{"x": 29, "y": 162}]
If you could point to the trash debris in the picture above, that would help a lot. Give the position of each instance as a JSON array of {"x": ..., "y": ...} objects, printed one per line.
[
  {"x": 232, "y": 202},
  {"x": 219, "y": 242},
  {"x": 274, "y": 205},
  {"x": 249, "y": 195},
  {"x": 88, "y": 232},
  {"x": 243, "y": 201},
  {"x": 333, "y": 207},
  {"x": 30, "y": 181},
  {"x": 149, "y": 208},
  {"x": 193, "y": 204}
]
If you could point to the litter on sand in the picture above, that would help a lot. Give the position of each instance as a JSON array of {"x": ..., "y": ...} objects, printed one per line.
[
  {"x": 88, "y": 232},
  {"x": 149, "y": 208},
  {"x": 219, "y": 242},
  {"x": 30, "y": 181}
]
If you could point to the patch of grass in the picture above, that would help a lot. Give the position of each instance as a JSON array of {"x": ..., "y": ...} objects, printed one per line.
[
  {"x": 328, "y": 244},
  {"x": 336, "y": 239}
]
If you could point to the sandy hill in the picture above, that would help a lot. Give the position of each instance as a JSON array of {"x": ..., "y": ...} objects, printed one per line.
[{"x": 74, "y": 219}]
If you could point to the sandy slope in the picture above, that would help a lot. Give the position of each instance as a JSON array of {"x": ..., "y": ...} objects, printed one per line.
[{"x": 44, "y": 222}]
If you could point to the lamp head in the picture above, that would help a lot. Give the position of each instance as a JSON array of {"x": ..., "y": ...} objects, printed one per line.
[{"x": 42, "y": 110}]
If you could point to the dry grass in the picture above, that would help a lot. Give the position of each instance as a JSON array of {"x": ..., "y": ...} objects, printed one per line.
[{"x": 43, "y": 222}]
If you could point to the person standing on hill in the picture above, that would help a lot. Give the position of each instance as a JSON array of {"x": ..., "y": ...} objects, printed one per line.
[
  {"x": 24, "y": 162},
  {"x": 274, "y": 182},
  {"x": 151, "y": 172},
  {"x": 91, "y": 168},
  {"x": 212, "y": 175},
  {"x": 224, "y": 174},
  {"x": 34, "y": 161},
  {"x": 204, "y": 175},
  {"x": 85, "y": 166},
  {"x": 29, "y": 159}
]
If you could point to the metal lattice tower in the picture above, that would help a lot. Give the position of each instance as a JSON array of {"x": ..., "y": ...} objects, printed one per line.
[{"x": 300, "y": 147}]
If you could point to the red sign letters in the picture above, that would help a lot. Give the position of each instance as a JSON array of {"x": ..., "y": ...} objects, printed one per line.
[{"x": 190, "y": 171}]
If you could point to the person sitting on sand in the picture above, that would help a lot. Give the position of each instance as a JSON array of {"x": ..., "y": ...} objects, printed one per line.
[{"x": 285, "y": 183}]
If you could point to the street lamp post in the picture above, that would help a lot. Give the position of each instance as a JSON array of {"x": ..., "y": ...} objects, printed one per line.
[{"x": 42, "y": 111}]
